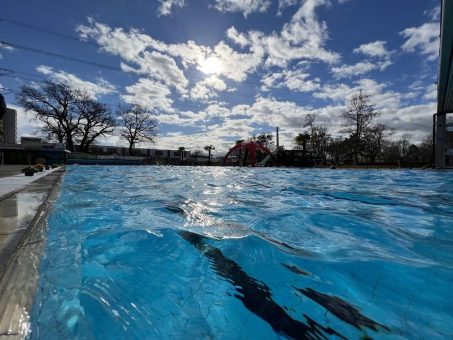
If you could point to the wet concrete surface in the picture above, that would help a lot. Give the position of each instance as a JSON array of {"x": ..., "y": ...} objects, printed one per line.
[
  {"x": 17, "y": 212},
  {"x": 16, "y": 181},
  {"x": 23, "y": 223}
]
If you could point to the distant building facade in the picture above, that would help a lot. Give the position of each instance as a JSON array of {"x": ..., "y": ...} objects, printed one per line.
[
  {"x": 31, "y": 150},
  {"x": 100, "y": 154},
  {"x": 8, "y": 127}
]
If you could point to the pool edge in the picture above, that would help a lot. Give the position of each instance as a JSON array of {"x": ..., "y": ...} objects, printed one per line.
[{"x": 20, "y": 274}]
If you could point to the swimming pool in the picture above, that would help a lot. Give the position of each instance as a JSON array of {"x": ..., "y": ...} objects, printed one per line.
[{"x": 247, "y": 253}]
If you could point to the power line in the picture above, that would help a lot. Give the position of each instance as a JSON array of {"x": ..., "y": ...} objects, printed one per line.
[
  {"x": 47, "y": 31},
  {"x": 8, "y": 91},
  {"x": 13, "y": 74},
  {"x": 58, "y": 55}
]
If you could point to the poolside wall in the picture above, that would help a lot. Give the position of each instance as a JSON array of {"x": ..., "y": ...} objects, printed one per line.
[{"x": 19, "y": 272}]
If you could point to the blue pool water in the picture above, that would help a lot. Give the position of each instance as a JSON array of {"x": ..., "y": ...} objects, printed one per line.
[{"x": 242, "y": 253}]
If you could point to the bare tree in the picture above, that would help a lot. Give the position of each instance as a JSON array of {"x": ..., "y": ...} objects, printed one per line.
[
  {"x": 316, "y": 135},
  {"x": 426, "y": 149},
  {"x": 139, "y": 125},
  {"x": 68, "y": 115},
  {"x": 97, "y": 120},
  {"x": 403, "y": 144},
  {"x": 390, "y": 151},
  {"x": 301, "y": 142},
  {"x": 54, "y": 104},
  {"x": 374, "y": 137},
  {"x": 309, "y": 123},
  {"x": 358, "y": 116}
]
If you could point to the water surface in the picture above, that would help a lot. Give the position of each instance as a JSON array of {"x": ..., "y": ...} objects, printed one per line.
[{"x": 242, "y": 253}]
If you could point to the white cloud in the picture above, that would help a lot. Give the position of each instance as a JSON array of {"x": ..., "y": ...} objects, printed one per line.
[
  {"x": 207, "y": 88},
  {"x": 415, "y": 120},
  {"x": 359, "y": 68},
  {"x": 166, "y": 6},
  {"x": 423, "y": 39},
  {"x": 6, "y": 48},
  {"x": 245, "y": 6},
  {"x": 161, "y": 67},
  {"x": 134, "y": 46},
  {"x": 302, "y": 40},
  {"x": 374, "y": 49},
  {"x": 27, "y": 124},
  {"x": 434, "y": 13},
  {"x": 187, "y": 118},
  {"x": 289, "y": 116},
  {"x": 101, "y": 87},
  {"x": 378, "y": 59},
  {"x": 379, "y": 93},
  {"x": 150, "y": 94},
  {"x": 216, "y": 110},
  {"x": 296, "y": 80},
  {"x": 430, "y": 92},
  {"x": 304, "y": 37},
  {"x": 236, "y": 37},
  {"x": 362, "y": 67},
  {"x": 236, "y": 65},
  {"x": 116, "y": 41}
]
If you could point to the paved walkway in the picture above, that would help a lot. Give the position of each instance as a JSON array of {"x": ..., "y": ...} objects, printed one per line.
[
  {"x": 15, "y": 182},
  {"x": 8, "y": 170}
]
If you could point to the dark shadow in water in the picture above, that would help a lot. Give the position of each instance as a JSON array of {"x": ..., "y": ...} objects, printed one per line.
[
  {"x": 342, "y": 309},
  {"x": 286, "y": 248},
  {"x": 174, "y": 209},
  {"x": 256, "y": 295},
  {"x": 295, "y": 269}
]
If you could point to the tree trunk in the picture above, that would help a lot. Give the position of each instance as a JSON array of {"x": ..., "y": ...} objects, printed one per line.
[{"x": 70, "y": 143}]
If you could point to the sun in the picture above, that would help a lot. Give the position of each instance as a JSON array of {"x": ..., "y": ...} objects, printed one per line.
[{"x": 211, "y": 65}]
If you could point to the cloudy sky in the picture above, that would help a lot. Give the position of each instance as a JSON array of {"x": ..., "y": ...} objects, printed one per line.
[{"x": 215, "y": 71}]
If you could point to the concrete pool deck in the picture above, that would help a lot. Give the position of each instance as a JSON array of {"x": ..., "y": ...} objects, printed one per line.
[
  {"x": 25, "y": 203},
  {"x": 12, "y": 180}
]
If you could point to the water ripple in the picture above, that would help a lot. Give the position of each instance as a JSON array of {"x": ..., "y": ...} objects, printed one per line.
[{"x": 206, "y": 252}]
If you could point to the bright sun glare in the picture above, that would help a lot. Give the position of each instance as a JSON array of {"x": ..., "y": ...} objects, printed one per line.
[{"x": 211, "y": 65}]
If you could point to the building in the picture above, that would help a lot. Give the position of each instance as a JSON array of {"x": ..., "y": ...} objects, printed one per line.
[
  {"x": 30, "y": 153},
  {"x": 99, "y": 154},
  {"x": 31, "y": 150},
  {"x": 8, "y": 127},
  {"x": 443, "y": 119}
]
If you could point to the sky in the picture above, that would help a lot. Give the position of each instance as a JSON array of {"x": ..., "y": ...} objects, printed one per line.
[{"x": 215, "y": 71}]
